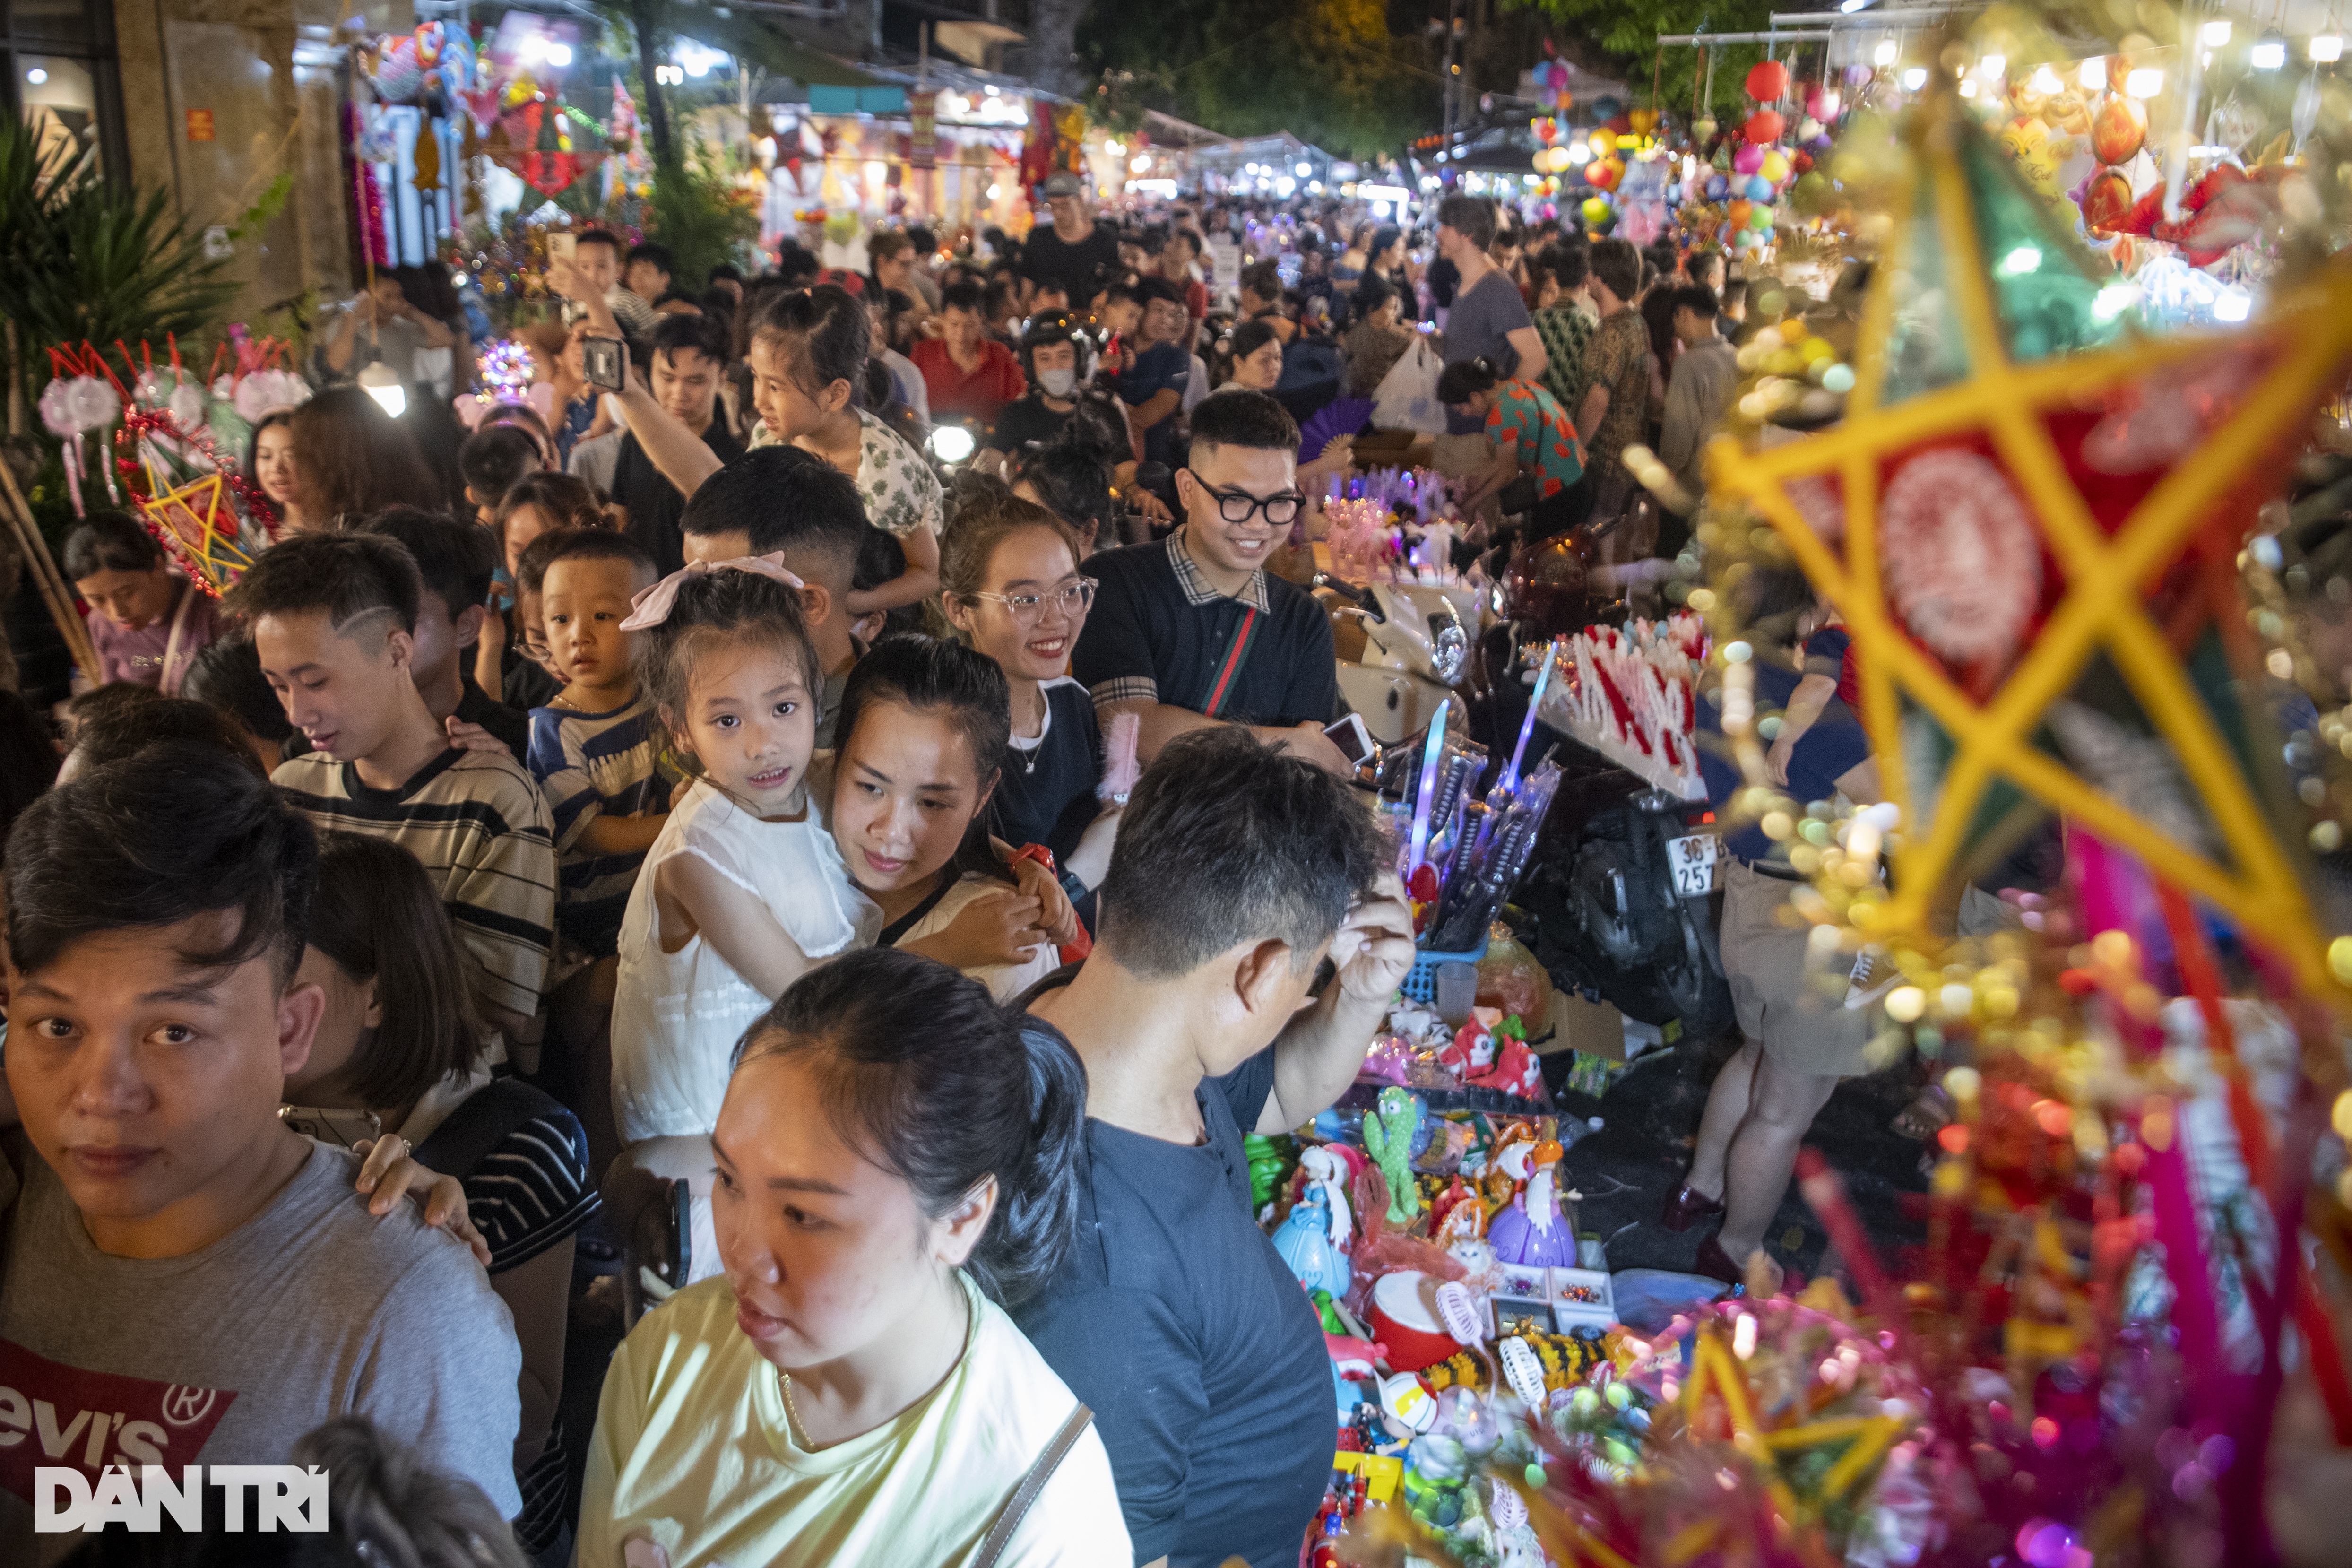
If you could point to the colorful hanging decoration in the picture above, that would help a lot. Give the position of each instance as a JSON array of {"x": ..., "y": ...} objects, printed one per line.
[{"x": 198, "y": 504}]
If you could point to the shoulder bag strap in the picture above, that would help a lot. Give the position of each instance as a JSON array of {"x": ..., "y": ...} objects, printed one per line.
[
  {"x": 1017, "y": 1506},
  {"x": 1229, "y": 666},
  {"x": 167, "y": 680}
]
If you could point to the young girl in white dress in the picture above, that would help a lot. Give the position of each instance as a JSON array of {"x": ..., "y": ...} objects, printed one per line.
[{"x": 744, "y": 891}]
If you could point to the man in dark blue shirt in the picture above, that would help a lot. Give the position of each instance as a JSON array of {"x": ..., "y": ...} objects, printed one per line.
[
  {"x": 1238, "y": 871},
  {"x": 1801, "y": 1035},
  {"x": 1153, "y": 387},
  {"x": 1195, "y": 632}
]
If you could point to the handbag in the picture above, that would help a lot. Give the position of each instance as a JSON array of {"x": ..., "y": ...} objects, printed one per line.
[
  {"x": 1406, "y": 398},
  {"x": 1016, "y": 1507}
]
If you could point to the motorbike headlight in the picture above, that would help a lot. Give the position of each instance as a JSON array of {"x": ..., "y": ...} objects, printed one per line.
[{"x": 951, "y": 443}]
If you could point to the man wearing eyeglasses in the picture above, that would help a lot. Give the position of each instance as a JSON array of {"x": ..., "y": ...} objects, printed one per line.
[{"x": 1193, "y": 633}]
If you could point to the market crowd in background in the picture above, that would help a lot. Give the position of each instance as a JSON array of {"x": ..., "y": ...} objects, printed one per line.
[{"x": 778, "y": 868}]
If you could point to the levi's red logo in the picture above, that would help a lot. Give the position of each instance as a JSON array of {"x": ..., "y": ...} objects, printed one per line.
[{"x": 53, "y": 1415}]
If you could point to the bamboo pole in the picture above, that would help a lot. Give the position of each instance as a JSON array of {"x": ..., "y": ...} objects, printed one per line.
[{"x": 55, "y": 593}]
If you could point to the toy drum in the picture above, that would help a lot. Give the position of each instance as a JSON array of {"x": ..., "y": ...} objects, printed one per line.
[{"x": 1404, "y": 1318}]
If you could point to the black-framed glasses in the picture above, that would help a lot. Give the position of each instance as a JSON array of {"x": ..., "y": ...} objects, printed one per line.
[
  {"x": 1072, "y": 598},
  {"x": 1239, "y": 506}
]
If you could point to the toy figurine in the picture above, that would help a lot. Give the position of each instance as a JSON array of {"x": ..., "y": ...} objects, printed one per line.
[
  {"x": 1389, "y": 1134},
  {"x": 1269, "y": 1167},
  {"x": 1353, "y": 1360},
  {"x": 1329, "y": 1170},
  {"x": 1532, "y": 1232},
  {"x": 1305, "y": 1243},
  {"x": 1472, "y": 1052},
  {"x": 1514, "y": 1068}
]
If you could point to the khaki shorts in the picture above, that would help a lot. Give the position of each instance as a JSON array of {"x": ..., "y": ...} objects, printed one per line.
[{"x": 1788, "y": 1003}]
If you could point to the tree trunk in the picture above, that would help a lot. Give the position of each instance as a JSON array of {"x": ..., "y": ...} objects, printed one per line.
[
  {"x": 642, "y": 13},
  {"x": 1052, "y": 47}
]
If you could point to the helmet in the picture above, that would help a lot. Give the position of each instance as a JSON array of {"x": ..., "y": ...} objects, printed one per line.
[{"x": 1056, "y": 327}]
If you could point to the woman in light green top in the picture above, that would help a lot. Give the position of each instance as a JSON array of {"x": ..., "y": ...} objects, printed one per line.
[{"x": 895, "y": 1159}]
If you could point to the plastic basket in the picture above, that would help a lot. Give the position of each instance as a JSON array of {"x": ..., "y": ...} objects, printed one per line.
[{"x": 1420, "y": 982}]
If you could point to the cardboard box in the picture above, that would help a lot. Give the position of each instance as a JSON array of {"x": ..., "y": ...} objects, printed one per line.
[{"x": 1596, "y": 1028}]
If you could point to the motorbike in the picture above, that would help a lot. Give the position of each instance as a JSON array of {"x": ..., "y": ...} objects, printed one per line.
[
  {"x": 1621, "y": 883},
  {"x": 1402, "y": 648}
]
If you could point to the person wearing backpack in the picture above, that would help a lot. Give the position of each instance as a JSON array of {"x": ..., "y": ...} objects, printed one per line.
[{"x": 399, "y": 1051}]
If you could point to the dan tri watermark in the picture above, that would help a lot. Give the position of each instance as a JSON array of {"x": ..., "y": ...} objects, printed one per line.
[{"x": 281, "y": 1497}]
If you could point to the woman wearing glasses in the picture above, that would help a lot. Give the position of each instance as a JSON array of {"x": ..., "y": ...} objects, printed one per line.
[{"x": 1010, "y": 583}]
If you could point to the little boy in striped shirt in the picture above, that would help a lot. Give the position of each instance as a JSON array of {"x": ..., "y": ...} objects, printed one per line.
[{"x": 594, "y": 749}]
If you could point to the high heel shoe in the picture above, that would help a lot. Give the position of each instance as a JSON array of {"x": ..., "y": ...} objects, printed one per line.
[
  {"x": 1689, "y": 1207},
  {"x": 1715, "y": 1263}
]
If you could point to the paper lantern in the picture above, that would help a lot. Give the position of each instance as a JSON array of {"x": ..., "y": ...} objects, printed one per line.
[
  {"x": 1603, "y": 173},
  {"x": 1768, "y": 83},
  {"x": 1775, "y": 167},
  {"x": 1702, "y": 131},
  {"x": 2118, "y": 130},
  {"x": 1644, "y": 120},
  {"x": 1764, "y": 127},
  {"x": 1748, "y": 159},
  {"x": 1603, "y": 143},
  {"x": 1597, "y": 212},
  {"x": 2108, "y": 200},
  {"x": 1547, "y": 130}
]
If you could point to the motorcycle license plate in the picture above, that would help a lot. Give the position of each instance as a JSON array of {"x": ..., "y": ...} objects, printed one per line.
[{"x": 1692, "y": 859}]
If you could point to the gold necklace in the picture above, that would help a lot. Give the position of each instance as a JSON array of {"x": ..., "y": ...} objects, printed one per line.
[{"x": 792, "y": 1416}]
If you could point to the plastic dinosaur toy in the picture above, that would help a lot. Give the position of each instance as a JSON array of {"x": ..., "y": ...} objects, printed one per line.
[{"x": 1389, "y": 1131}]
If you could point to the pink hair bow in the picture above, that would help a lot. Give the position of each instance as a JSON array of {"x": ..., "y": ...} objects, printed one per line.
[{"x": 651, "y": 607}]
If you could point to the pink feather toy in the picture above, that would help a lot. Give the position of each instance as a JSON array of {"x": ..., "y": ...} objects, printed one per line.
[{"x": 1120, "y": 769}]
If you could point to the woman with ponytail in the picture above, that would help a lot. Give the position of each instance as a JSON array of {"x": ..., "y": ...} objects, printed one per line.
[{"x": 894, "y": 1162}]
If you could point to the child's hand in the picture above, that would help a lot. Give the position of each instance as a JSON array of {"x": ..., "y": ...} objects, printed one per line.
[
  {"x": 994, "y": 929},
  {"x": 1055, "y": 916},
  {"x": 474, "y": 738}
]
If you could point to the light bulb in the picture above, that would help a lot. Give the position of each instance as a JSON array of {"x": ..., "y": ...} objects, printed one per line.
[
  {"x": 36, "y": 76},
  {"x": 2215, "y": 33},
  {"x": 559, "y": 55},
  {"x": 2046, "y": 82},
  {"x": 2327, "y": 48},
  {"x": 1992, "y": 66},
  {"x": 2094, "y": 75},
  {"x": 2267, "y": 56},
  {"x": 1968, "y": 88},
  {"x": 1305, "y": 170},
  {"x": 2145, "y": 82},
  {"x": 1884, "y": 56},
  {"x": 378, "y": 381},
  {"x": 1914, "y": 78}
]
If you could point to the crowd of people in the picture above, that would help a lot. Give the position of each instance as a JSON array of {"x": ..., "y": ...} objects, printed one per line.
[{"x": 689, "y": 826}]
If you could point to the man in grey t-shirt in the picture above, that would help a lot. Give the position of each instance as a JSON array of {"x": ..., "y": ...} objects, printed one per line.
[
  {"x": 188, "y": 1281},
  {"x": 1488, "y": 320}
]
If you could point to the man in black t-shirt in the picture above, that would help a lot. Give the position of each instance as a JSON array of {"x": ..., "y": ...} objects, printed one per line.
[
  {"x": 1076, "y": 253},
  {"x": 1193, "y": 632},
  {"x": 689, "y": 356},
  {"x": 1238, "y": 871},
  {"x": 1049, "y": 354}
]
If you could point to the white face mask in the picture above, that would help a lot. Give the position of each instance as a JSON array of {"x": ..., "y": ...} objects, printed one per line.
[{"x": 1058, "y": 383}]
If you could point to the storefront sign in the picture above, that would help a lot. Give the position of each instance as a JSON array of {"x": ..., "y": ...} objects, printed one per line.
[
  {"x": 200, "y": 125},
  {"x": 922, "y": 151}
]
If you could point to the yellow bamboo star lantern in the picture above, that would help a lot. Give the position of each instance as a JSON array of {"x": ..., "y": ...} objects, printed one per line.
[{"x": 1981, "y": 441}]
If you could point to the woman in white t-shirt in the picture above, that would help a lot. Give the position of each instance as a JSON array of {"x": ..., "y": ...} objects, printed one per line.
[{"x": 895, "y": 1161}]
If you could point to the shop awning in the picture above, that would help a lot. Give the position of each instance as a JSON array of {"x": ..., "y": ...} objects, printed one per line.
[{"x": 765, "y": 43}]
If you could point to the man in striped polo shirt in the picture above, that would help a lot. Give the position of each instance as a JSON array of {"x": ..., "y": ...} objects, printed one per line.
[{"x": 334, "y": 619}]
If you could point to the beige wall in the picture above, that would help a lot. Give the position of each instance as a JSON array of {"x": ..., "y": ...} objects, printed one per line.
[{"x": 266, "y": 72}]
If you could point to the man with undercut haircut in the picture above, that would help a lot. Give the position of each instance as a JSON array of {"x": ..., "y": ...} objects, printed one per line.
[
  {"x": 334, "y": 619},
  {"x": 783, "y": 501},
  {"x": 1239, "y": 869}
]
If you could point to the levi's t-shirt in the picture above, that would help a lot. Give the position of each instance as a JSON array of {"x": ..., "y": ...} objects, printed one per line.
[{"x": 311, "y": 1310}]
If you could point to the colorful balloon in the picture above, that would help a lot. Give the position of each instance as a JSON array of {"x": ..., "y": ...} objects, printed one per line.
[
  {"x": 1775, "y": 167},
  {"x": 1768, "y": 83},
  {"x": 1764, "y": 127},
  {"x": 1759, "y": 217},
  {"x": 1736, "y": 216},
  {"x": 1748, "y": 159},
  {"x": 1824, "y": 104},
  {"x": 1759, "y": 189}
]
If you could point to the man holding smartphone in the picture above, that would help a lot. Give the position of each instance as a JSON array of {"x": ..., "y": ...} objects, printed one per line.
[{"x": 1193, "y": 633}]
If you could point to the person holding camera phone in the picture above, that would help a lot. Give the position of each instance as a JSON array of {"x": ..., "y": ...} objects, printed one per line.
[{"x": 678, "y": 440}]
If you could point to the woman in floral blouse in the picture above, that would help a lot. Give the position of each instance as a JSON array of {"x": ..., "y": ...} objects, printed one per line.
[{"x": 808, "y": 354}]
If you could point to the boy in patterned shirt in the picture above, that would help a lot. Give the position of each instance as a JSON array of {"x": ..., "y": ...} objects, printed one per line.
[{"x": 334, "y": 619}]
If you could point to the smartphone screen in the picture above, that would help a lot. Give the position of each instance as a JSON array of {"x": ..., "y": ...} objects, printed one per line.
[
  {"x": 1355, "y": 741},
  {"x": 604, "y": 362}
]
